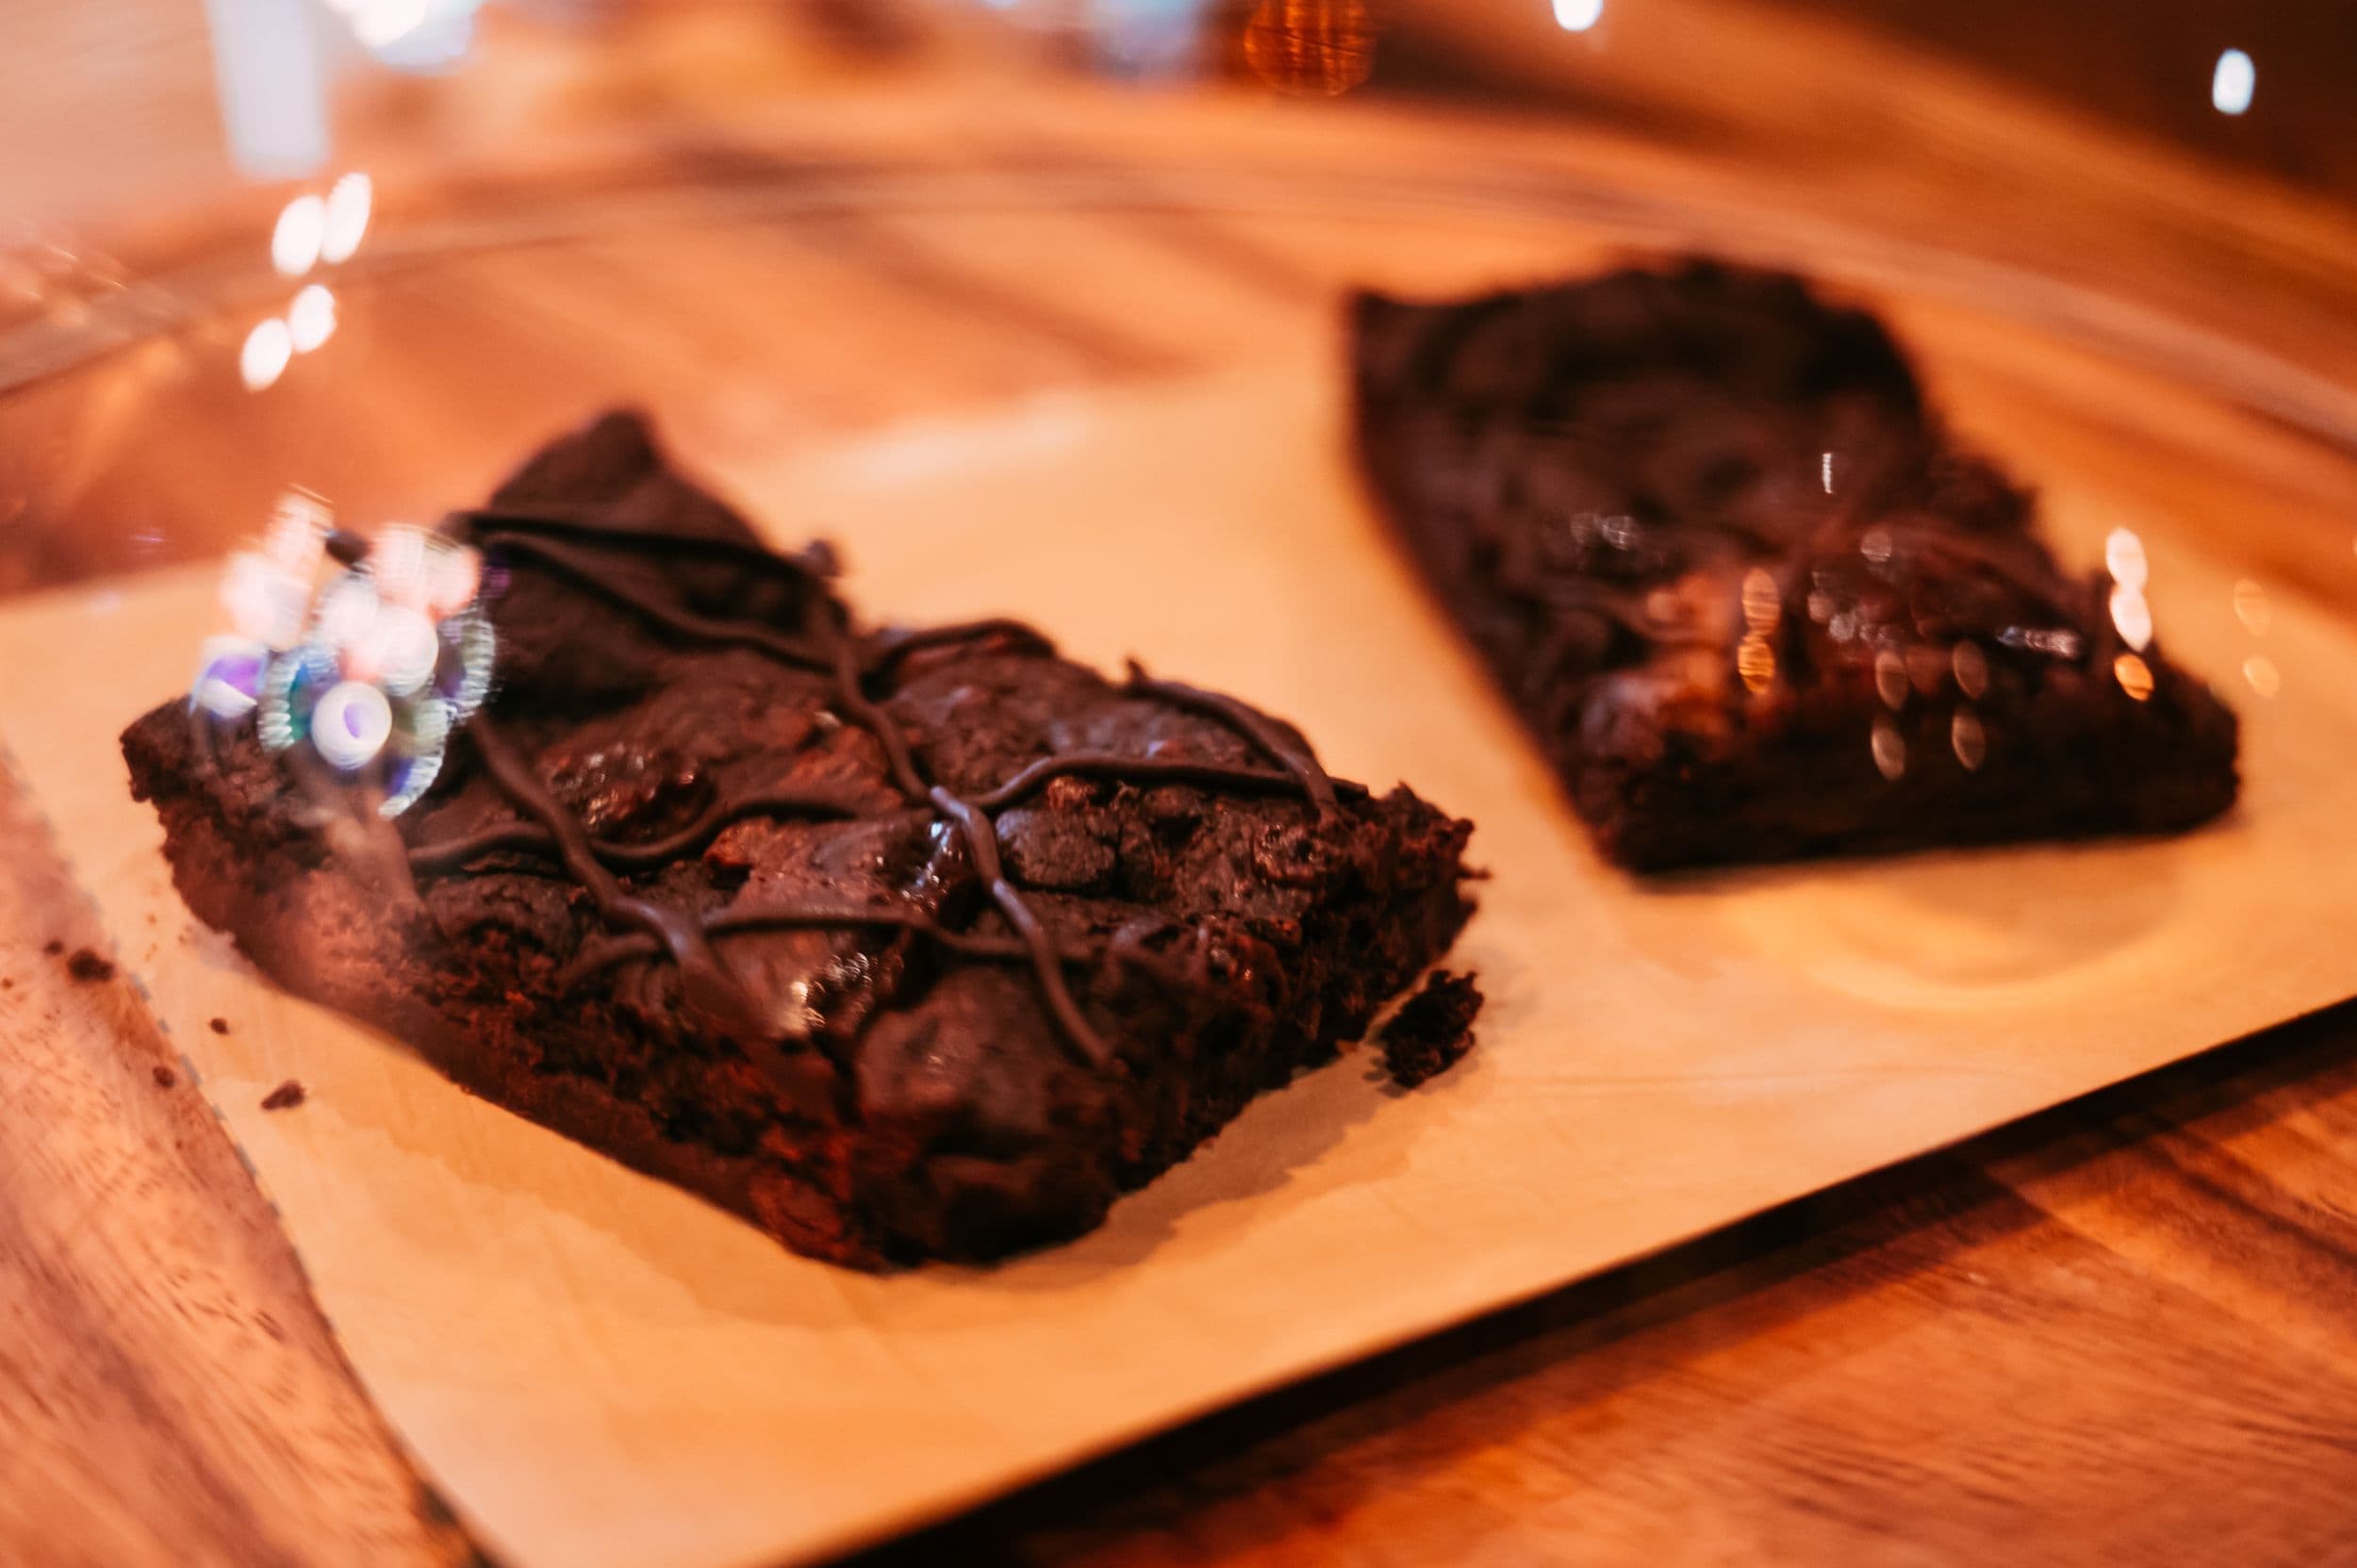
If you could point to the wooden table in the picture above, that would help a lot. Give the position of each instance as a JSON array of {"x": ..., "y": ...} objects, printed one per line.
[{"x": 2125, "y": 1331}]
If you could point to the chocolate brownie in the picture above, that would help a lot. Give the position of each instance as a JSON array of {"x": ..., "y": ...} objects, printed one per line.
[
  {"x": 903, "y": 944},
  {"x": 1750, "y": 596}
]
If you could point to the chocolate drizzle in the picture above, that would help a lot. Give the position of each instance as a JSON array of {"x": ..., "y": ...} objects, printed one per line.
[
  {"x": 584, "y": 570},
  {"x": 710, "y": 988},
  {"x": 451, "y": 853},
  {"x": 621, "y": 950},
  {"x": 567, "y": 544},
  {"x": 1252, "y": 725}
]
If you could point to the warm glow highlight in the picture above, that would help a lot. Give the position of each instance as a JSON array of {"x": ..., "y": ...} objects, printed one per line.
[
  {"x": 2251, "y": 607},
  {"x": 2133, "y": 675}
]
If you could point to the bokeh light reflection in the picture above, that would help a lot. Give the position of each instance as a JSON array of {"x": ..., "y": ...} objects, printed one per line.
[
  {"x": 2123, "y": 555},
  {"x": 1969, "y": 739},
  {"x": 1755, "y": 662},
  {"x": 2251, "y": 607},
  {"x": 2133, "y": 675},
  {"x": 349, "y": 202},
  {"x": 1890, "y": 678},
  {"x": 1890, "y": 750},
  {"x": 311, "y": 320},
  {"x": 2234, "y": 82},
  {"x": 263, "y": 359},
  {"x": 1970, "y": 666},
  {"x": 296, "y": 239},
  {"x": 1311, "y": 48}
]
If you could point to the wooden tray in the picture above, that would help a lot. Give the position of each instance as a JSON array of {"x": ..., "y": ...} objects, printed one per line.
[{"x": 600, "y": 1371}]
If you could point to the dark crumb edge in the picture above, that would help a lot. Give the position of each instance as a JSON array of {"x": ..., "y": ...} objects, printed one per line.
[
  {"x": 219, "y": 1026},
  {"x": 1432, "y": 1030},
  {"x": 285, "y": 1098},
  {"x": 89, "y": 967},
  {"x": 165, "y": 1077}
]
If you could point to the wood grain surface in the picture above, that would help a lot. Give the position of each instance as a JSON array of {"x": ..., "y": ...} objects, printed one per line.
[
  {"x": 2120, "y": 1333},
  {"x": 640, "y": 1382},
  {"x": 168, "y": 1392}
]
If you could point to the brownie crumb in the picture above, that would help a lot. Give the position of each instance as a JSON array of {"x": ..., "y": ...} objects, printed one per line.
[
  {"x": 52, "y": 947},
  {"x": 1428, "y": 1036},
  {"x": 166, "y": 1078},
  {"x": 219, "y": 1026},
  {"x": 89, "y": 967},
  {"x": 285, "y": 1098}
]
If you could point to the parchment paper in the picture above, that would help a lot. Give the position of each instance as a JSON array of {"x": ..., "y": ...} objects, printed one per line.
[{"x": 603, "y": 1373}]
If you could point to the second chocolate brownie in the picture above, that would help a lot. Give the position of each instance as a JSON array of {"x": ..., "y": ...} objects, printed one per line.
[{"x": 1747, "y": 593}]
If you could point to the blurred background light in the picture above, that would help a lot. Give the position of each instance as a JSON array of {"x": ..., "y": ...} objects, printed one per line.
[
  {"x": 346, "y": 217},
  {"x": 1144, "y": 38},
  {"x": 263, "y": 359},
  {"x": 311, "y": 320},
  {"x": 272, "y": 85},
  {"x": 1311, "y": 48},
  {"x": 2233, "y": 83},
  {"x": 1577, "y": 16},
  {"x": 295, "y": 241}
]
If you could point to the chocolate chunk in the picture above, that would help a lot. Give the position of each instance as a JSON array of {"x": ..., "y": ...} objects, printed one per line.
[
  {"x": 1055, "y": 850},
  {"x": 1432, "y": 1030}
]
